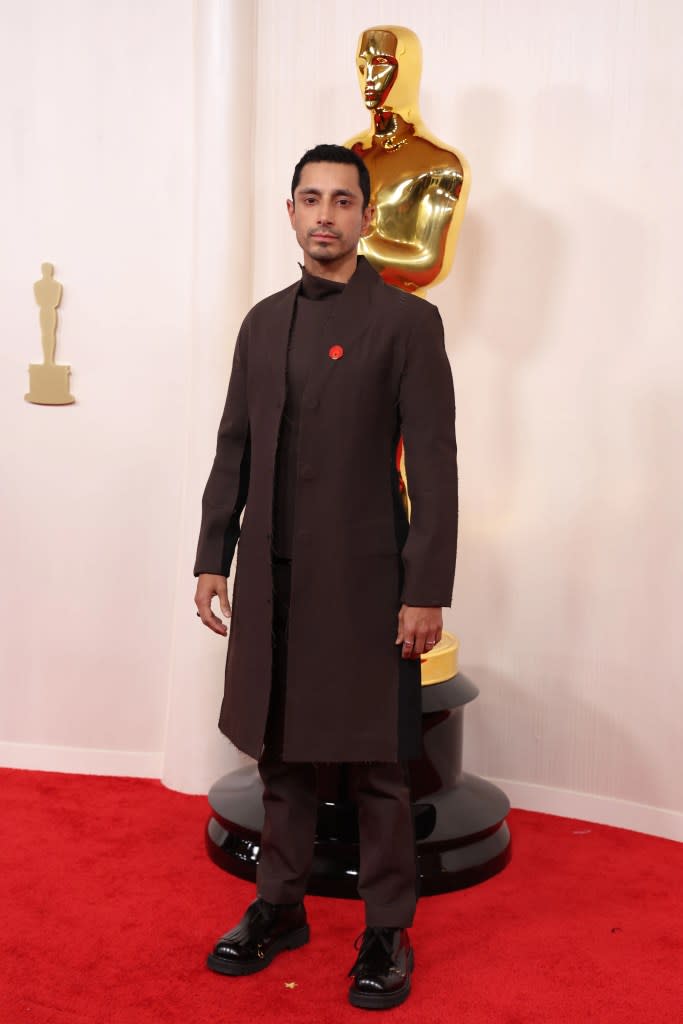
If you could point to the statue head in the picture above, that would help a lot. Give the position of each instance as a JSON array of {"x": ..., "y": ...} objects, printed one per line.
[{"x": 389, "y": 63}]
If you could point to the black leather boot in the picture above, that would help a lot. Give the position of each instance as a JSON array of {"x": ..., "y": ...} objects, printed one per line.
[
  {"x": 264, "y": 931},
  {"x": 381, "y": 973}
]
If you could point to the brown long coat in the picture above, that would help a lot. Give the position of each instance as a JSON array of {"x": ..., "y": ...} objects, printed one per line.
[{"x": 350, "y": 697}]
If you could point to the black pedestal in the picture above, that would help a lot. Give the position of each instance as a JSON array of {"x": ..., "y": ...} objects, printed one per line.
[{"x": 462, "y": 835}]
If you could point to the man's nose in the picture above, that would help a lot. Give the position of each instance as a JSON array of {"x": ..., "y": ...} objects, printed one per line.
[{"x": 325, "y": 212}]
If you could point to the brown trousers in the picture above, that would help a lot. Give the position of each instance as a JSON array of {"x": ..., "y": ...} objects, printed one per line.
[{"x": 387, "y": 881}]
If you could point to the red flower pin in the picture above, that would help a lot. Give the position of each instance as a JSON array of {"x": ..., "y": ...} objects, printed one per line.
[{"x": 336, "y": 352}]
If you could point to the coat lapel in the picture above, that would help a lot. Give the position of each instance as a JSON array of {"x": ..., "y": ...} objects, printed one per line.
[{"x": 281, "y": 316}]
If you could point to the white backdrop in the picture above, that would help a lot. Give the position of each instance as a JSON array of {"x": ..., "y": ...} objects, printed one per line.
[{"x": 148, "y": 155}]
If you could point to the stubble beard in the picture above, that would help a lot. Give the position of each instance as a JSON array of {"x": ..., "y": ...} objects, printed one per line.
[{"x": 322, "y": 254}]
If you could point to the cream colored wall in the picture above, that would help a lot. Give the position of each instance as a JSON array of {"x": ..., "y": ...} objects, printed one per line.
[
  {"x": 563, "y": 316},
  {"x": 96, "y": 178}
]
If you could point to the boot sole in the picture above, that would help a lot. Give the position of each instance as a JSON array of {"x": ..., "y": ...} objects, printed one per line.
[
  {"x": 235, "y": 967},
  {"x": 383, "y": 1001}
]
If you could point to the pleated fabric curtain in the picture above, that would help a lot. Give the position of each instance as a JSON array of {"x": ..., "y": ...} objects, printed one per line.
[{"x": 195, "y": 753}]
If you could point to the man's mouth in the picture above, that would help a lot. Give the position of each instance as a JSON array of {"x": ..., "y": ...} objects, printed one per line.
[{"x": 323, "y": 236}]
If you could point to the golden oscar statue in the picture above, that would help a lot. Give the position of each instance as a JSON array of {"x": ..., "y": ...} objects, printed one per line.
[
  {"x": 419, "y": 185},
  {"x": 419, "y": 191},
  {"x": 48, "y": 381}
]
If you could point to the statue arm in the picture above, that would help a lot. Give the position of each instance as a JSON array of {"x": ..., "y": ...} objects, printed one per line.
[
  {"x": 411, "y": 223},
  {"x": 385, "y": 251}
]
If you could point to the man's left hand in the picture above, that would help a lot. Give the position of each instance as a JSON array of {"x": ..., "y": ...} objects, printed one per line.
[{"x": 419, "y": 630}]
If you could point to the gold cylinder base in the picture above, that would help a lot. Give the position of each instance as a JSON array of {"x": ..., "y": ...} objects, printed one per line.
[{"x": 442, "y": 661}]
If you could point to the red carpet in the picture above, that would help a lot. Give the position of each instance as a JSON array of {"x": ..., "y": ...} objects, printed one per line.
[{"x": 111, "y": 905}]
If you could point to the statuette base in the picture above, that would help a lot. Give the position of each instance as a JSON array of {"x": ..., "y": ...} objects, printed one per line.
[{"x": 49, "y": 384}]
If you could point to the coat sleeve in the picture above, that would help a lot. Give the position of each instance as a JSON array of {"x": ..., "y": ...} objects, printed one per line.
[
  {"x": 225, "y": 493},
  {"x": 427, "y": 411}
]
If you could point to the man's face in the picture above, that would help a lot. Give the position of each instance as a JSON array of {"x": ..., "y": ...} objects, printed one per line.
[{"x": 327, "y": 212}]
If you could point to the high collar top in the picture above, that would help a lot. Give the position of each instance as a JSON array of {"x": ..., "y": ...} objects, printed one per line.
[{"x": 313, "y": 287}]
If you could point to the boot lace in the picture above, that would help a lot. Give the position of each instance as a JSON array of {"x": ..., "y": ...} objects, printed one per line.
[{"x": 367, "y": 942}]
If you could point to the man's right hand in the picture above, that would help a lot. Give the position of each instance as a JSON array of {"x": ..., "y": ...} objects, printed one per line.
[{"x": 208, "y": 587}]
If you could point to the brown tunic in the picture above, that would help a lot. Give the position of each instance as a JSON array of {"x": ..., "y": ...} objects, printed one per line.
[
  {"x": 314, "y": 305},
  {"x": 355, "y": 558}
]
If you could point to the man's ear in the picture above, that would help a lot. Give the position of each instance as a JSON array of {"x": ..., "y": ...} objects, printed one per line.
[
  {"x": 290, "y": 211},
  {"x": 366, "y": 223}
]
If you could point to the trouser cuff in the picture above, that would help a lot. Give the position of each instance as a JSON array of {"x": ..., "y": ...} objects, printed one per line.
[
  {"x": 280, "y": 897},
  {"x": 385, "y": 917}
]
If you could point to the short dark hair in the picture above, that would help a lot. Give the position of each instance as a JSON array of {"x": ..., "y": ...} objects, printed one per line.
[{"x": 331, "y": 154}]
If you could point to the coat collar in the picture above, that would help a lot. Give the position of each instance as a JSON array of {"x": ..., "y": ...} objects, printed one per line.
[
  {"x": 312, "y": 287},
  {"x": 348, "y": 319},
  {"x": 358, "y": 290}
]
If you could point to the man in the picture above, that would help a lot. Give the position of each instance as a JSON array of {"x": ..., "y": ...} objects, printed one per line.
[{"x": 336, "y": 595}]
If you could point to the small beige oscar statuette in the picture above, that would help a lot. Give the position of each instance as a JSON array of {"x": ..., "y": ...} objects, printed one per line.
[{"x": 48, "y": 382}]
